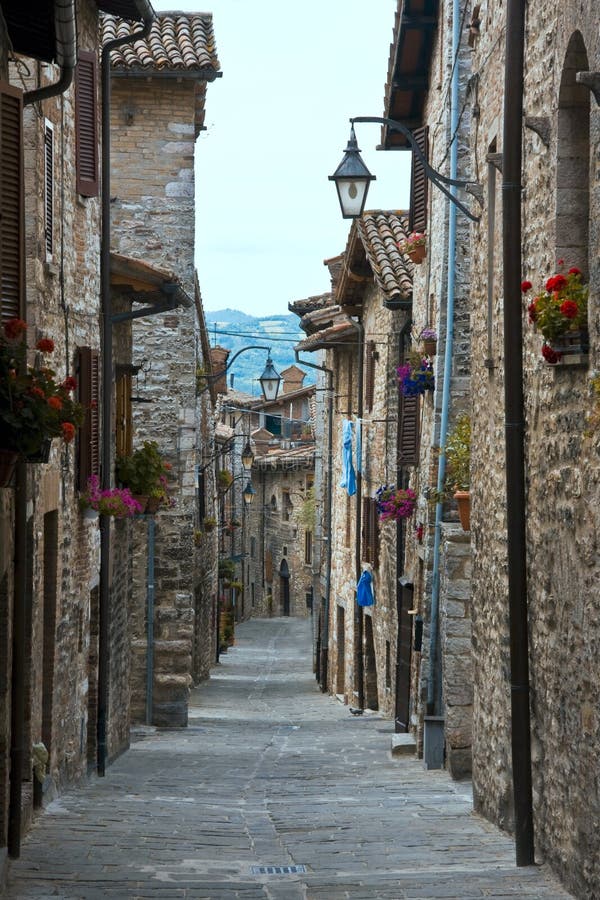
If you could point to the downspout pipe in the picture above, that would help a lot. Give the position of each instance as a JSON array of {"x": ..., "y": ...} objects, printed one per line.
[
  {"x": 434, "y": 687},
  {"x": 512, "y": 151},
  {"x": 147, "y": 14},
  {"x": 324, "y": 661},
  {"x": 66, "y": 52}
]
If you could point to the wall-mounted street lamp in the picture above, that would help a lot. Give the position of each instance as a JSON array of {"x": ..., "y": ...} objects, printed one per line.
[
  {"x": 352, "y": 178},
  {"x": 249, "y": 493},
  {"x": 269, "y": 380},
  {"x": 247, "y": 455}
]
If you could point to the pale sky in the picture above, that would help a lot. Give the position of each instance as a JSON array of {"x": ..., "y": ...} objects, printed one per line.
[{"x": 277, "y": 126}]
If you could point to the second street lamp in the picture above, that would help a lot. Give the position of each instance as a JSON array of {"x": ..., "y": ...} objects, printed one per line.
[
  {"x": 249, "y": 493},
  {"x": 247, "y": 455}
]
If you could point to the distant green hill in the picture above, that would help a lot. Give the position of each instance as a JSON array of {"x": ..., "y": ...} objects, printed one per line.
[{"x": 234, "y": 329}]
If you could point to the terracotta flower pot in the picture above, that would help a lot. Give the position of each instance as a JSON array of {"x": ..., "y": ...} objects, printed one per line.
[
  {"x": 417, "y": 254},
  {"x": 430, "y": 347},
  {"x": 142, "y": 499},
  {"x": 8, "y": 462},
  {"x": 463, "y": 499}
]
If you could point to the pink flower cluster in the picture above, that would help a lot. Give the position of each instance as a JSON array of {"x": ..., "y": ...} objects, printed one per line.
[
  {"x": 116, "y": 502},
  {"x": 395, "y": 503}
]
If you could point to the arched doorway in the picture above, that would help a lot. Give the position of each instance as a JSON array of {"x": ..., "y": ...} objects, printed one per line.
[{"x": 284, "y": 587}]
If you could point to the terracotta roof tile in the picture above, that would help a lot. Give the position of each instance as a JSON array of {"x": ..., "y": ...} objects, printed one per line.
[
  {"x": 177, "y": 41},
  {"x": 373, "y": 247}
]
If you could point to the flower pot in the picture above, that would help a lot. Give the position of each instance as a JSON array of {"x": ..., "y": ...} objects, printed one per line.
[
  {"x": 142, "y": 499},
  {"x": 572, "y": 347},
  {"x": 8, "y": 462},
  {"x": 152, "y": 505},
  {"x": 417, "y": 254},
  {"x": 43, "y": 454},
  {"x": 90, "y": 514},
  {"x": 429, "y": 347},
  {"x": 463, "y": 499}
]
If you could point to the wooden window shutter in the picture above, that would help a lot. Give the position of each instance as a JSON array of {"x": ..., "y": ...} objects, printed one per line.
[
  {"x": 417, "y": 220},
  {"x": 89, "y": 433},
  {"x": 49, "y": 188},
  {"x": 124, "y": 437},
  {"x": 12, "y": 254},
  {"x": 86, "y": 117},
  {"x": 408, "y": 431},
  {"x": 370, "y": 532},
  {"x": 369, "y": 375}
]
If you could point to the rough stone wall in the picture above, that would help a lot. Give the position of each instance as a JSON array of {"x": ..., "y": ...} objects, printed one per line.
[
  {"x": 562, "y": 479},
  {"x": 430, "y": 293},
  {"x": 279, "y": 538},
  {"x": 380, "y": 467},
  {"x": 62, "y": 303},
  {"x": 6, "y": 595},
  {"x": 343, "y": 528},
  {"x": 152, "y": 133}
]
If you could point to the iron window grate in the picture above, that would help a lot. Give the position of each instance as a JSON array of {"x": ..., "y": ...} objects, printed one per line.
[{"x": 277, "y": 870}]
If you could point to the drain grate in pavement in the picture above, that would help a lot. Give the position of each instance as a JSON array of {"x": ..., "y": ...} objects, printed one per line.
[{"x": 277, "y": 870}]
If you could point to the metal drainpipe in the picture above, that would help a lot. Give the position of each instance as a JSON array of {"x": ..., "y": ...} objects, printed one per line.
[
  {"x": 148, "y": 16},
  {"x": 150, "y": 623},
  {"x": 324, "y": 661},
  {"x": 358, "y": 610},
  {"x": 66, "y": 52},
  {"x": 434, "y": 677},
  {"x": 66, "y": 57},
  {"x": 512, "y": 151}
]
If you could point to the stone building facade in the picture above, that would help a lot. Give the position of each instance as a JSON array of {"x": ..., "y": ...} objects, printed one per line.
[
  {"x": 157, "y": 112},
  {"x": 560, "y": 213},
  {"x": 57, "y": 676}
]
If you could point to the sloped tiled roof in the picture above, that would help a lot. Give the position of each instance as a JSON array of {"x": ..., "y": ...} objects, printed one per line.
[
  {"x": 177, "y": 41},
  {"x": 372, "y": 253},
  {"x": 342, "y": 331},
  {"x": 309, "y": 304}
]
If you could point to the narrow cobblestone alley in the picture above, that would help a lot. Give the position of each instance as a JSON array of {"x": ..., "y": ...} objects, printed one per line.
[{"x": 269, "y": 773}]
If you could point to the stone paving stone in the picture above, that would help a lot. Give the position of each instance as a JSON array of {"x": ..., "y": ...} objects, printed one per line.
[{"x": 269, "y": 772}]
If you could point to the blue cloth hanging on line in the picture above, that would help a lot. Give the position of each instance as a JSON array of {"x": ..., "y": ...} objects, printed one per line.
[
  {"x": 364, "y": 589},
  {"x": 348, "y": 475}
]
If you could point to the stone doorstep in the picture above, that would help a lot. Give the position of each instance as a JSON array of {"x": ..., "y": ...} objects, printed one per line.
[{"x": 403, "y": 745}]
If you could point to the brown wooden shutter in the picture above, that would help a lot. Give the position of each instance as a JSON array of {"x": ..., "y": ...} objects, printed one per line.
[
  {"x": 89, "y": 433},
  {"x": 86, "y": 116},
  {"x": 49, "y": 188},
  {"x": 370, "y": 532},
  {"x": 369, "y": 375},
  {"x": 124, "y": 437},
  {"x": 12, "y": 254},
  {"x": 408, "y": 432},
  {"x": 418, "y": 184}
]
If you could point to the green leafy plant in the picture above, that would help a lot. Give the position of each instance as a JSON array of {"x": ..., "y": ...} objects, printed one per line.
[
  {"x": 458, "y": 456},
  {"x": 224, "y": 480},
  {"x": 144, "y": 472},
  {"x": 209, "y": 523},
  {"x": 226, "y": 569},
  {"x": 308, "y": 511}
]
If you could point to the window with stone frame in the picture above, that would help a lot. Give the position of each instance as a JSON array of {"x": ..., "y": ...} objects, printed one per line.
[{"x": 12, "y": 252}]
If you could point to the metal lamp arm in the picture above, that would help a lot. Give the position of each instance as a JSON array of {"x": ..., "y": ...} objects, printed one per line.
[
  {"x": 435, "y": 177},
  {"x": 216, "y": 375}
]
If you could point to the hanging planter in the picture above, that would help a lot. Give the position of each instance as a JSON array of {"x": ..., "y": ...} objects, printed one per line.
[
  {"x": 8, "y": 463},
  {"x": 395, "y": 503},
  {"x": 559, "y": 312},
  {"x": 428, "y": 338},
  {"x": 416, "y": 376}
]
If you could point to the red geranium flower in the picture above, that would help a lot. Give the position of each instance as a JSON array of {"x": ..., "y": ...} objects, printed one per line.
[
  {"x": 569, "y": 309},
  {"x": 68, "y": 431},
  {"x": 55, "y": 402},
  {"x": 560, "y": 262},
  {"x": 526, "y": 286},
  {"x": 14, "y": 328},
  {"x": 45, "y": 345},
  {"x": 550, "y": 355},
  {"x": 37, "y": 391},
  {"x": 556, "y": 283},
  {"x": 70, "y": 383},
  {"x": 574, "y": 271}
]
